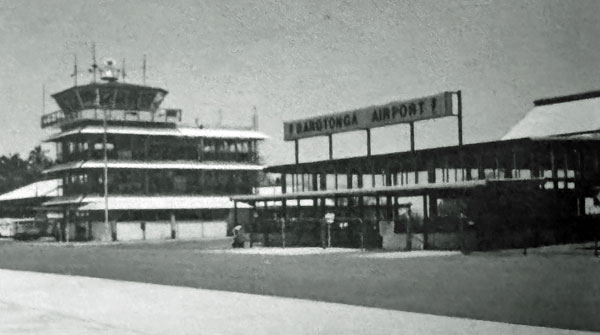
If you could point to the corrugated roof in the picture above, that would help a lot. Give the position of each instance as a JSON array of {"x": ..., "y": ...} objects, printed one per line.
[
  {"x": 578, "y": 116},
  {"x": 93, "y": 203},
  {"x": 43, "y": 188},
  {"x": 176, "y": 165},
  {"x": 176, "y": 132}
]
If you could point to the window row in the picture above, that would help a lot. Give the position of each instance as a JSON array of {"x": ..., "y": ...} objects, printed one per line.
[{"x": 137, "y": 182}]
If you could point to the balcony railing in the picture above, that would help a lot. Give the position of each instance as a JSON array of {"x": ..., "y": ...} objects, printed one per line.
[
  {"x": 128, "y": 155},
  {"x": 59, "y": 118}
]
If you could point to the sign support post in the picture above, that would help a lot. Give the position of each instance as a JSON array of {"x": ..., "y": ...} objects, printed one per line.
[
  {"x": 368, "y": 142},
  {"x": 460, "y": 120},
  {"x": 330, "y": 146},
  {"x": 412, "y": 137},
  {"x": 296, "y": 150}
]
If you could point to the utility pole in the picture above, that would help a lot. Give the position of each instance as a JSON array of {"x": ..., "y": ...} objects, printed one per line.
[{"x": 105, "y": 149}]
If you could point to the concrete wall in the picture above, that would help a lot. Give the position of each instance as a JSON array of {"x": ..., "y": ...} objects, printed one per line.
[{"x": 158, "y": 230}]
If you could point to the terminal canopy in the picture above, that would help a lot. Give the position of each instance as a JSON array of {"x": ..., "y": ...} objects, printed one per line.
[{"x": 110, "y": 95}]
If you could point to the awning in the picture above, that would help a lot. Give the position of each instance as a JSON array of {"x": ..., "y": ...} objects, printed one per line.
[
  {"x": 40, "y": 189},
  {"x": 163, "y": 165},
  {"x": 94, "y": 203},
  {"x": 175, "y": 132},
  {"x": 398, "y": 190}
]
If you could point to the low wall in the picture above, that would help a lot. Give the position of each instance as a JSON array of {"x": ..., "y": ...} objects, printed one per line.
[
  {"x": 201, "y": 229},
  {"x": 159, "y": 230}
]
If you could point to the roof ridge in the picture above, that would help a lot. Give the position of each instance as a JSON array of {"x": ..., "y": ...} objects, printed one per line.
[{"x": 567, "y": 98}]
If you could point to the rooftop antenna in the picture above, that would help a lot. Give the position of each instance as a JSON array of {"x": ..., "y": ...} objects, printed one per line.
[
  {"x": 94, "y": 64},
  {"x": 43, "y": 98},
  {"x": 254, "y": 118},
  {"x": 75, "y": 73},
  {"x": 144, "y": 70},
  {"x": 220, "y": 119},
  {"x": 123, "y": 74}
]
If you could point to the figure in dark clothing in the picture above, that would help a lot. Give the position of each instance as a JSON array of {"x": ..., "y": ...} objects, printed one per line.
[{"x": 238, "y": 237}]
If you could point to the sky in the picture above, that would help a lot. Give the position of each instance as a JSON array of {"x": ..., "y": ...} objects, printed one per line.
[{"x": 294, "y": 59}]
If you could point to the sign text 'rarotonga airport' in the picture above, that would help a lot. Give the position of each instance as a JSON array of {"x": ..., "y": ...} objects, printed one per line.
[{"x": 431, "y": 107}]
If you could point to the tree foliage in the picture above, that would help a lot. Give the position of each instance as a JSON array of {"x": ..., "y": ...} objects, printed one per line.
[{"x": 16, "y": 171}]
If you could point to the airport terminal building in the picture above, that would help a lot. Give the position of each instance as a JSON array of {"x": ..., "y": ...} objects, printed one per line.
[
  {"x": 538, "y": 185},
  {"x": 127, "y": 168}
]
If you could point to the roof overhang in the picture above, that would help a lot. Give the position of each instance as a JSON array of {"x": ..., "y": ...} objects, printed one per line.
[
  {"x": 186, "y": 132},
  {"x": 157, "y": 165},
  {"x": 96, "y": 203},
  {"x": 397, "y": 190}
]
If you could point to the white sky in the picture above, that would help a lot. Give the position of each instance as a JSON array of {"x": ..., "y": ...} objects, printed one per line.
[{"x": 293, "y": 59}]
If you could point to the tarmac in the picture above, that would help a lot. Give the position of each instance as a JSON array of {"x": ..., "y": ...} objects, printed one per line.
[{"x": 39, "y": 303}]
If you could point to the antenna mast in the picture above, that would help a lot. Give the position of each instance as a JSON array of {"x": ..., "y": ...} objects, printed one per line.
[
  {"x": 75, "y": 73},
  {"x": 43, "y": 98},
  {"x": 94, "y": 64},
  {"x": 144, "y": 70},
  {"x": 123, "y": 74}
]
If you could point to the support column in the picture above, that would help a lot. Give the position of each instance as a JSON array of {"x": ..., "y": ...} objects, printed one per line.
[
  {"x": 323, "y": 181},
  {"x": 284, "y": 218},
  {"x": 554, "y": 170},
  {"x": 330, "y": 146},
  {"x": 173, "y": 226},
  {"x": 566, "y": 169},
  {"x": 361, "y": 215},
  {"x": 283, "y": 183},
  {"x": 235, "y": 213},
  {"x": 296, "y": 154},
  {"x": 425, "y": 222},
  {"x": 368, "y": 142}
]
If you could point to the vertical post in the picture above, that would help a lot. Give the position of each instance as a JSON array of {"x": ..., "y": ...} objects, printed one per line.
[
  {"x": 554, "y": 169},
  {"x": 533, "y": 171},
  {"x": 372, "y": 174},
  {"x": 173, "y": 226},
  {"x": 416, "y": 167},
  {"x": 369, "y": 142},
  {"x": 566, "y": 169},
  {"x": 409, "y": 230},
  {"x": 283, "y": 183},
  {"x": 377, "y": 216},
  {"x": 296, "y": 154},
  {"x": 412, "y": 137},
  {"x": 425, "y": 221},
  {"x": 462, "y": 233},
  {"x": 516, "y": 172},
  {"x": 329, "y": 234},
  {"x": 330, "y": 137},
  {"x": 105, "y": 153},
  {"x": 67, "y": 221},
  {"x": 460, "y": 118},
  {"x": 235, "y": 213},
  {"x": 283, "y": 220}
]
